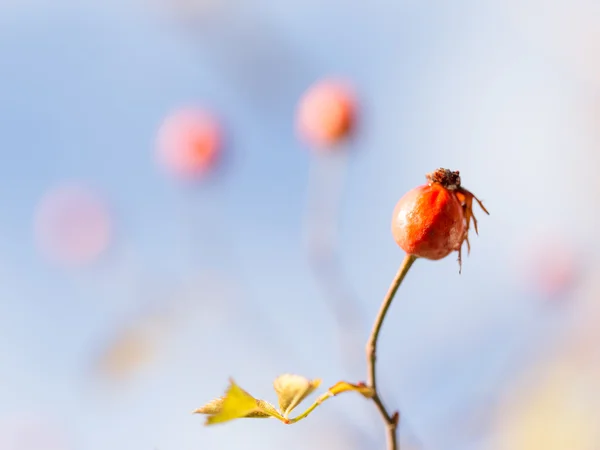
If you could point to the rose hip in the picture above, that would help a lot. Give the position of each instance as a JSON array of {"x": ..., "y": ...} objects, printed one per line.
[
  {"x": 326, "y": 113},
  {"x": 189, "y": 143},
  {"x": 433, "y": 220}
]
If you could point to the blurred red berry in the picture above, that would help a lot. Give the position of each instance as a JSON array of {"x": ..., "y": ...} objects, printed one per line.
[
  {"x": 326, "y": 113},
  {"x": 29, "y": 431},
  {"x": 551, "y": 266},
  {"x": 72, "y": 225},
  {"x": 433, "y": 220},
  {"x": 189, "y": 142}
]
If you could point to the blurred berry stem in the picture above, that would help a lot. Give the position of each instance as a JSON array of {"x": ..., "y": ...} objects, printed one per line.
[{"x": 391, "y": 420}]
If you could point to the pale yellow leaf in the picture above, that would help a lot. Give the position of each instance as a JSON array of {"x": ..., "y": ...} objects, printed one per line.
[
  {"x": 212, "y": 407},
  {"x": 344, "y": 386},
  {"x": 291, "y": 390},
  {"x": 269, "y": 410}
]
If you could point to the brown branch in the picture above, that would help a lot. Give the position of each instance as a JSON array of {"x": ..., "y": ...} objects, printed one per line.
[{"x": 391, "y": 420}]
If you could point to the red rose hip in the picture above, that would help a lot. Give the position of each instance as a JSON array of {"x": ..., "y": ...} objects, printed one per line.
[
  {"x": 428, "y": 222},
  {"x": 433, "y": 220}
]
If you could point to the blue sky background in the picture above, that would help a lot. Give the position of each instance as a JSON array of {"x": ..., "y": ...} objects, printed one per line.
[{"x": 485, "y": 87}]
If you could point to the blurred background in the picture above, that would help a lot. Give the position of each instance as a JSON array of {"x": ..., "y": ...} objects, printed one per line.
[{"x": 197, "y": 189}]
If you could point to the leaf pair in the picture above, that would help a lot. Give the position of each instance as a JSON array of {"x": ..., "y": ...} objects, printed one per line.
[{"x": 291, "y": 391}]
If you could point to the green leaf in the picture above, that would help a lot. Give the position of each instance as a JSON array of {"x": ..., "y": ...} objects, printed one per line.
[
  {"x": 237, "y": 404},
  {"x": 291, "y": 390}
]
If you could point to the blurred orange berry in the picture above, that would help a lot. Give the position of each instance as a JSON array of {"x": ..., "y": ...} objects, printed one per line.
[
  {"x": 326, "y": 113},
  {"x": 189, "y": 142},
  {"x": 433, "y": 220},
  {"x": 72, "y": 225},
  {"x": 132, "y": 348}
]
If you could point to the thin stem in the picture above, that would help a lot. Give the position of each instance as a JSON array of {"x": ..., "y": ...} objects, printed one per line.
[
  {"x": 391, "y": 420},
  {"x": 312, "y": 407}
]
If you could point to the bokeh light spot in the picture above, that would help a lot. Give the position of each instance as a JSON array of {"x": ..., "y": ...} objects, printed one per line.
[
  {"x": 72, "y": 225},
  {"x": 189, "y": 142},
  {"x": 326, "y": 113}
]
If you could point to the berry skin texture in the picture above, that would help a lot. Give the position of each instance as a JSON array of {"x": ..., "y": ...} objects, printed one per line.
[
  {"x": 428, "y": 222},
  {"x": 433, "y": 220},
  {"x": 326, "y": 113}
]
